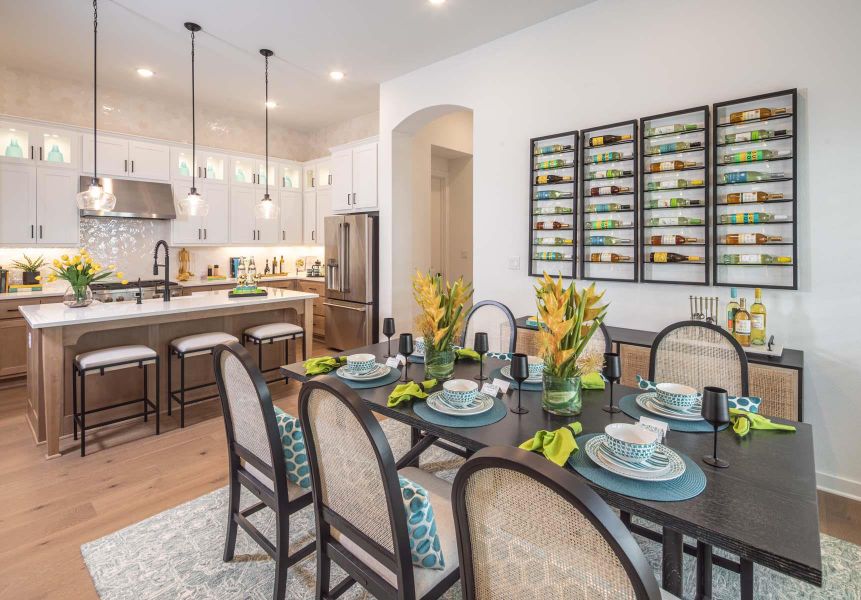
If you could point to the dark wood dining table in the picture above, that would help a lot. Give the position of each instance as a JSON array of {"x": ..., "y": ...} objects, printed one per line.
[{"x": 763, "y": 508}]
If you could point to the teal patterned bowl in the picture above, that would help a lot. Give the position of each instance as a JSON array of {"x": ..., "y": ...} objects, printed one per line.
[
  {"x": 535, "y": 364},
  {"x": 675, "y": 395},
  {"x": 630, "y": 441},
  {"x": 359, "y": 364},
  {"x": 460, "y": 392}
]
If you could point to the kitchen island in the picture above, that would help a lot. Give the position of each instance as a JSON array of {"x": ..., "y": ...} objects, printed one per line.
[{"x": 56, "y": 334}]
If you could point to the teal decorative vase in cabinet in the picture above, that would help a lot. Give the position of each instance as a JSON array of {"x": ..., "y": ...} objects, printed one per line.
[
  {"x": 13, "y": 150},
  {"x": 55, "y": 155}
]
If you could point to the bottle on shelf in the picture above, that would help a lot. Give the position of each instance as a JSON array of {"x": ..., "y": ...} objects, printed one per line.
[
  {"x": 673, "y": 240},
  {"x": 747, "y": 239},
  {"x": 741, "y": 324},
  {"x": 672, "y": 165},
  {"x": 756, "y": 135},
  {"x": 552, "y": 225},
  {"x": 606, "y": 157},
  {"x": 751, "y": 217},
  {"x": 545, "y": 179},
  {"x": 672, "y": 184},
  {"x": 754, "y": 259},
  {"x": 554, "y": 164},
  {"x": 553, "y": 210},
  {"x": 608, "y": 257},
  {"x": 755, "y": 114},
  {"x": 252, "y": 269},
  {"x": 749, "y": 176},
  {"x": 757, "y": 319},
  {"x": 731, "y": 308},
  {"x": 610, "y": 173},
  {"x": 603, "y": 140},
  {"x": 750, "y": 197},
  {"x": 266, "y": 268},
  {"x": 609, "y": 240},
  {"x": 662, "y": 221},
  {"x": 672, "y": 257},
  {"x": 552, "y": 149},
  {"x": 673, "y": 147},
  {"x": 752, "y": 156},
  {"x": 607, "y": 207},
  {"x": 667, "y": 129},
  {"x": 547, "y": 255},
  {"x": 673, "y": 203},
  {"x": 609, "y": 190},
  {"x": 606, "y": 224},
  {"x": 281, "y": 265},
  {"x": 554, "y": 241},
  {"x": 551, "y": 195}
]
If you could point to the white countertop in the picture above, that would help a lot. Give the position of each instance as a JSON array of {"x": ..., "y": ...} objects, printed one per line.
[
  {"x": 59, "y": 315},
  {"x": 231, "y": 281},
  {"x": 46, "y": 292}
]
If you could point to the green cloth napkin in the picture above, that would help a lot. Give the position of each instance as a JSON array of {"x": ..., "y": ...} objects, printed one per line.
[
  {"x": 743, "y": 421},
  {"x": 323, "y": 364},
  {"x": 469, "y": 353},
  {"x": 557, "y": 445},
  {"x": 405, "y": 392},
  {"x": 592, "y": 381}
]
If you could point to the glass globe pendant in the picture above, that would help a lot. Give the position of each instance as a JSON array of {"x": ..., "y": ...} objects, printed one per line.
[
  {"x": 193, "y": 205},
  {"x": 266, "y": 208}
]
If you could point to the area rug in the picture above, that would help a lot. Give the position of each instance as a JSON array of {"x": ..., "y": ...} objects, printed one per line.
[{"x": 176, "y": 555}]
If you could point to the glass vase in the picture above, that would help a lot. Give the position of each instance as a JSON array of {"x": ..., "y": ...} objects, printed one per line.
[
  {"x": 439, "y": 364},
  {"x": 561, "y": 395},
  {"x": 78, "y": 296}
]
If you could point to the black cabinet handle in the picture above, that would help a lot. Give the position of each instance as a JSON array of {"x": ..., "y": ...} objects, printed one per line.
[
  {"x": 312, "y": 235},
  {"x": 32, "y": 231},
  {"x": 133, "y": 166},
  {"x": 31, "y": 152},
  {"x": 198, "y": 233},
  {"x": 204, "y": 233},
  {"x": 126, "y": 166},
  {"x": 330, "y": 179},
  {"x": 40, "y": 152},
  {"x": 40, "y": 232}
]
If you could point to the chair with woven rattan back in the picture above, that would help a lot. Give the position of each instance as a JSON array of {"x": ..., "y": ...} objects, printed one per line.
[
  {"x": 527, "y": 529},
  {"x": 358, "y": 504},
  {"x": 256, "y": 460},
  {"x": 495, "y": 319},
  {"x": 699, "y": 354}
]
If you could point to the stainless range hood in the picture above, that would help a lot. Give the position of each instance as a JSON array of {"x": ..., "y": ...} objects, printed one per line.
[{"x": 135, "y": 199}]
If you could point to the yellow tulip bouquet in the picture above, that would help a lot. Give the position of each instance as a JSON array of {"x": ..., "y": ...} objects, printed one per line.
[
  {"x": 80, "y": 271},
  {"x": 440, "y": 321}
]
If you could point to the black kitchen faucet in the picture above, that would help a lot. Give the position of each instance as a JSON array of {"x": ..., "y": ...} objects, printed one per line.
[{"x": 166, "y": 265}]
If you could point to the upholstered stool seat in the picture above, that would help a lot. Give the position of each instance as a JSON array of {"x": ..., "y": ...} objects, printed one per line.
[
  {"x": 119, "y": 355},
  {"x": 201, "y": 343},
  {"x": 184, "y": 347},
  {"x": 270, "y": 333}
]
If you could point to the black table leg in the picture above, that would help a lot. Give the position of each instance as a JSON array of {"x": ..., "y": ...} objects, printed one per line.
[
  {"x": 746, "y": 579},
  {"x": 704, "y": 571},
  {"x": 415, "y": 438},
  {"x": 671, "y": 566},
  {"x": 626, "y": 518}
]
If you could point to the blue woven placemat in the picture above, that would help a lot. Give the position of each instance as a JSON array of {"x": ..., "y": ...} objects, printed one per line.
[
  {"x": 495, "y": 414},
  {"x": 528, "y": 387},
  {"x": 392, "y": 377},
  {"x": 687, "y": 485},
  {"x": 629, "y": 406},
  {"x": 416, "y": 359}
]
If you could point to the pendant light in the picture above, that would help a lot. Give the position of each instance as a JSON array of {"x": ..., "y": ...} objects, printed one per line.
[
  {"x": 193, "y": 205},
  {"x": 95, "y": 198},
  {"x": 265, "y": 207}
]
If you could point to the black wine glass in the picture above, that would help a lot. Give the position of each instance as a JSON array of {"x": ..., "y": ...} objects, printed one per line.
[
  {"x": 405, "y": 347},
  {"x": 519, "y": 373},
  {"x": 389, "y": 331},
  {"x": 612, "y": 372},
  {"x": 480, "y": 346},
  {"x": 716, "y": 412}
]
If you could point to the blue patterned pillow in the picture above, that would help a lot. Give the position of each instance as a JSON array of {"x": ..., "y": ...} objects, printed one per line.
[
  {"x": 293, "y": 443},
  {"x": 421, "y": 526},
  {"x": 748, "y": 403},
  {"x": 645, "y": 384}
]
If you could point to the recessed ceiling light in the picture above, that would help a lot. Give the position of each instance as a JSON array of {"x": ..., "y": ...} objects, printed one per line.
[
  {"x": 271, "y": 104},
  {"x": 145, "y": 73},
  {"x": 437, "y": 2},
  {"x": 337, "y": 75}
]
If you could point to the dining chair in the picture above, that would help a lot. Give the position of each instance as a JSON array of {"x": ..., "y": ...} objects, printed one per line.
[
  {"x": 358, "y": 506},
  {"x": 256, "y": 460},
  {"x": 496, "y": 320},
  {"x": 527, "y": 529},
  {"x": 699, "y": 354},
  {"x": 601, "y": 341}
]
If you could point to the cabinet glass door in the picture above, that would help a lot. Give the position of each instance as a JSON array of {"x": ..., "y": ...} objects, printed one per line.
[
  {"x": 58, "y": 148},
  {"x": 324, "y": 174},
  {"x": 243, "y": 171},
  {"x": 290, "y": 177},
  {"x": 15, "y": 143},
  {"x": 309, "y": 178},
  {"x": 262, "y": 175},
  {"x": 181, "y": 164},
  {"x": 213, "y": 167}
]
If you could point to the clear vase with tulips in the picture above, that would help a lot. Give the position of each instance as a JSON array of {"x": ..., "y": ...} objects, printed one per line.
[
  {"x": 79, "y": 271},
  {"x": 440, "y": 321}
]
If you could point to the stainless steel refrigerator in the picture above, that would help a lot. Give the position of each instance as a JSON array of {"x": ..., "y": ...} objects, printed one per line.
[{"x": 352, "y": 280}]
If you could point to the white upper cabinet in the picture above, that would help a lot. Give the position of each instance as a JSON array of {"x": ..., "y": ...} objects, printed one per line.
[
  {"x": 243, "y": 223},
  {"x": 324, "y": 209},
  {"x": 342, "y": 180},
  {"x": 149, "y": 161},
  {"x": 211, "y": 167},
  {"x": 43, "y": 146},
  {"x": 56, "y": 208},
  {"x": 324, "y": 173},
  {"x": 309, "y": 218},
  {"x": 291, "y": 217},
  {"x": 18, "y": 204},
  {"x": 184, "y": 229},
  {"x": 290, "y": 176},
  {"x": 120, "y": 157},
  {"x": 354, "y": 178},
  {"x": 251, "y": 171},
  {"x": 210, "y": 230}
]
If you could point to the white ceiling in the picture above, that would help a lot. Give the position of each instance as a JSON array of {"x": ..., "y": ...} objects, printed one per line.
[{"x": 370, "y": 40}]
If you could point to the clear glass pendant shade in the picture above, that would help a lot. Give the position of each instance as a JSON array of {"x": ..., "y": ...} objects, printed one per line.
[
  {"x": 193, "y": 205},
  {"x": 96, "y": 198},
  {"x": 266, "y": 208}
]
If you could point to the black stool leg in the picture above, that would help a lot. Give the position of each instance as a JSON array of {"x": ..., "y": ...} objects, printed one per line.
[
  {"x": 74, "y": 402},
  {"x": 146, "y": 393},
  {"x": 305, "y": 346},
  {"x": 83, "y": 375},
  {"x": 158, "y": 396},
  {"x": 287, "y": 356},
  {"x": 182, "y": 391},
  {"x": 169, "y": 382},
  {"x": 704, "y": 570},
  {"x": 260, "y": 355}
]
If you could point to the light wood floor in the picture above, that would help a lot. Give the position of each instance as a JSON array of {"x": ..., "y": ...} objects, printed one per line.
[{"x": 49, "y": 508}]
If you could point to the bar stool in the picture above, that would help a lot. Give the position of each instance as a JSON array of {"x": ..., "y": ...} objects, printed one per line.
[
  {"x": 112, "y": 359},
  {"x": 271, "y": 333},
  {"x": 185, "y": 347}
]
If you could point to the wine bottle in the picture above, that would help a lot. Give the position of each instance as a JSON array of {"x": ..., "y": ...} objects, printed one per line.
[
  {"x": 606, "y": 157},
  {"x": 673, "y": 203},
  {"x": 757, "y": 319},
  {"x": 553, "y": 210},
  {"x": 554, "y": 241},
  {"x": 603, "y": 140},
  {"x": 554, "y": 164},
  {"x": 751, "y": 156},
  {"x": 754, "y": 259},
  {"x": 673, "y": 240},
  {"x": 606, "y": 224},
  {"x": 755, "y": 114},
  {"x": 667, "y": 129},
  {"x": 754, "y": 217},
  {"x": 552, "y": 149},
  {"x": 545, "y": 179},
  {"x": 552, "y": 225},
  {"x": 552, "y": 256},
  {"x": 661, "y": 221},
  {"x": 749, "y": 176},
  {"x": 748, "y": 197},
  {"x": 672, "y": 257},
  {"x": 741, "y": 324},
  {"x": 609, "y": 173},
  {"x": 746, "y": 239},
  {"x": 752, "y": 136},
  {"x": 673, "y": 147},
  {"x": 281, "y": 265},
  {"x": 671, "y": 165},
  {"x": 550, "y": 195},
  {"x": 731, "y": 308},
  {"x": 608, "y": 240},
  {"x": 672, "y": 184},
  {"x": 608, "y": 257},
  {"x": 608, "y": 207},
  {"x": 608, "y": 190}
]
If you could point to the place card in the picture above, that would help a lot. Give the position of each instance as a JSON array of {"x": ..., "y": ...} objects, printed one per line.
[
  {"x": 401, "y": 359},
  {"x": 659, "y": 427},
  {"x": 393, "y": 362},
  {"x": 490, "y": 390},
  {"x": 501, "y": 384}
]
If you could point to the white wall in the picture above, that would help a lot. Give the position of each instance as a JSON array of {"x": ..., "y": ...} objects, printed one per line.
[{"x": 621, "y": 59}]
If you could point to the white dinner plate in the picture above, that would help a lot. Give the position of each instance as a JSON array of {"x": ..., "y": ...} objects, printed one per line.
[
  {"x": 481, "y": 404},
  {"x": 506, "y": 372},
  {"x": 378, "y": 371},
  {"x": 648, "y": 403},
  {"x": 676, "y": 468}
]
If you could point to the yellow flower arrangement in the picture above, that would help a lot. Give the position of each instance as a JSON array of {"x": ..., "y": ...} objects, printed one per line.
[
  {"x": 441, "y": 317},
  {"x": 81, "y": 270},
  {"x": 569, "y": 319}
]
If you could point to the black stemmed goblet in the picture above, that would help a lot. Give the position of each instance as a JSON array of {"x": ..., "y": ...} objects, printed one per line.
[
  {"x": 389, "y": 331},
  {"x": 612, "y": 371},
  {"x": 716, "y": 412},
  {"x": 519, "y": 373},
  {"x": 480, "y": 346},
  {"x": 405, "y": 347}
]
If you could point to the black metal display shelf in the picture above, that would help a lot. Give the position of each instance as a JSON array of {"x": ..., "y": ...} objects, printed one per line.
[
  {"x": 685, "y": 151},
  {"x": 608, "y": 162},
  {"x": 753, "y": 162},
  {"x": 776, "y": 138},
  {"x": 608, "y": 212},
  {"x": 721, "y": 264},
  {"x": 676, "y": 189},
  {"x": 608, "y": 229},
  {"x": 604, "y": 262},
  {"x": 555, "y": 153},
  {"x": 590, "y": 180},
  {"x": 537, "y": 244},
  {"x": 572, "y": 182},
  {"x": 751, "y": 245},
  {"x": 555, "y": 169},
  {"x": 609, "y": 246},
  {"x": 622, "y": 143},
  {"x": 645, "y": 226},
  {"x": 788, "y": 115},
  {"x": 700, "y": 207},
  {"x": 766, "y": 203},
  {"x": 587, "y": 197},
  {"x": 696, "y": 168},
  {"x": 559, "y": 199},
  {"x": 674, "y": 245},
  {"x": 559, "y": 260},
  {"x": 660, "y": 135},
  {"x": 749, "y": 224},
  {"x": 560, "y": 229}
]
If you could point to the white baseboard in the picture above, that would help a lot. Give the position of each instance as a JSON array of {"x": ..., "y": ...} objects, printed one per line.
[{"x": 839, "y": 486}]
